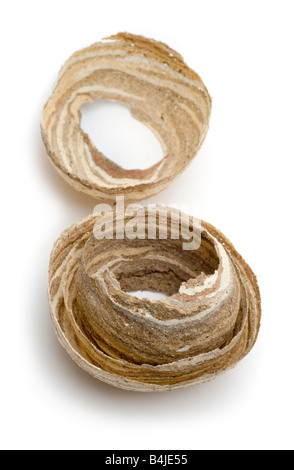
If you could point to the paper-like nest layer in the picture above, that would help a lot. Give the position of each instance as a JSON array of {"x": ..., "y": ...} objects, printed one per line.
[
  {"x": 160, "y": 90},
  {"x": 207, "y": 323}
]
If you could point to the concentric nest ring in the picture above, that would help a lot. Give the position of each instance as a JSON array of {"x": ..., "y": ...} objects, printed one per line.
[
  {"x": 160, "y": 90},
  {"x": 207, "y": 323}
]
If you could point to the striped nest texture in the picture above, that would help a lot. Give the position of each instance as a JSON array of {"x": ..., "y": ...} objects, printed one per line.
[
  {"x": 160, "y": 90},
  {"x": 207, "y": 323}
]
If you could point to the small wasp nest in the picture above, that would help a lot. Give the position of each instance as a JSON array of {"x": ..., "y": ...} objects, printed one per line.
[
  {"x": 160, "y": 90},
  {"x": 207, "y": 323}
]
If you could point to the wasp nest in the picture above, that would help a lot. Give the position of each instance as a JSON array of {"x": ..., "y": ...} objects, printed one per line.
[
  {"x": 160, "y": 90},
  {"x": 207, "y": 323}
]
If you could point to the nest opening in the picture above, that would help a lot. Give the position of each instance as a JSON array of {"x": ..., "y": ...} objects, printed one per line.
[
  {"x": 119, "y": 136},
  {"x": 166, "y": 274}
]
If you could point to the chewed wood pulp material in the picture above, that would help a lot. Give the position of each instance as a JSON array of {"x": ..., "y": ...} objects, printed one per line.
[
  {"x": 207, "y": 323},
  {"x": 160, "y": 90}
]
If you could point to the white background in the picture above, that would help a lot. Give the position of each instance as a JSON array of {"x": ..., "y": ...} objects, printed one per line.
[{"x": 241, "y": 182}]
